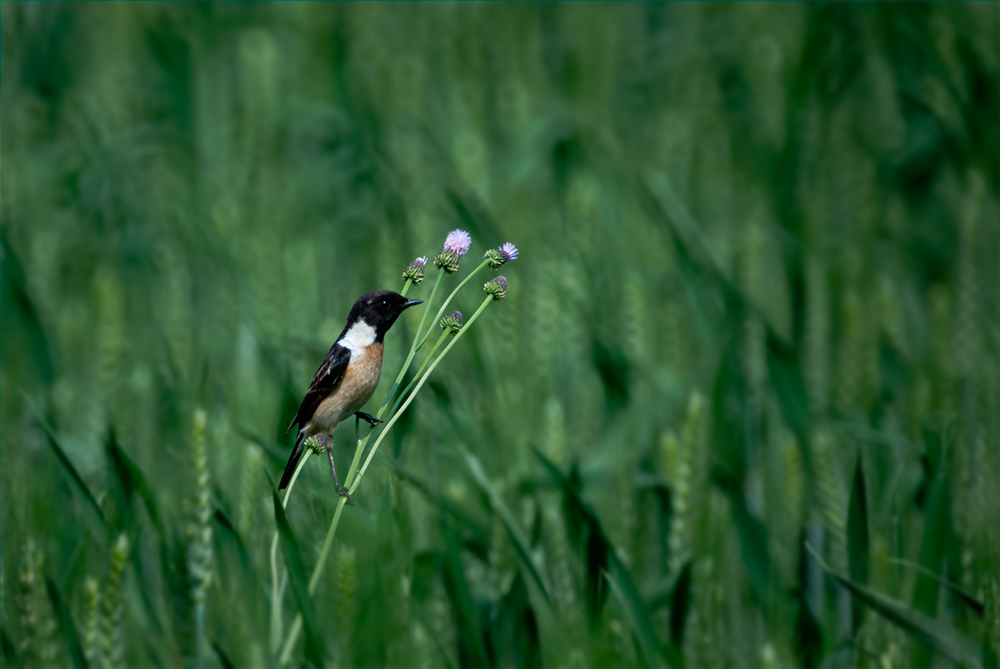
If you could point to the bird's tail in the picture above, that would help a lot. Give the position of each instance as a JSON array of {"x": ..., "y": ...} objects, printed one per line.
[{"x": 293, "y": 461}]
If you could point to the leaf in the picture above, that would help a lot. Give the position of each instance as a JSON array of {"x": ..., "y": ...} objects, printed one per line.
[
  {"x": 15, "y": 300},
  {"x": 977, "y": 606},
  {"x": 516, "y": 635},
  {"x": 223, "y": 658},
  {"x": 753, "y": 544},
  {"x": 521, "y": 546},
  {"x": 126, "y": 480},
  {"x": 315, "y": 648},
  {"x": 122, "y": 483},
  {"x": 126, "y": 469},
  {"x": 937, "y": 536},
  {"x": 584, "y": 524},
  {"x": 680, "y": 605},
  {"x": 7, "y": 645},
  {"x": 230, "y": 531},
  {"x": 73, "y": 473},
  {"x": 66, "y": 624},
  {"x": 471, "y": 650},
  {"x": 857, "y": 535},
  {"x": 934, "y": 634},
  {"x": 785, "y": 374},
  {"x": 729, "y": 434}
]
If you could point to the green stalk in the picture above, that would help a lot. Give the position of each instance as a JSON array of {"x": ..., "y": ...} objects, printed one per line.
[
  {"x": 448, "y": 301},
  {"x": 276, "y": 590},
  {"x": 286, "y": 652},
  {"x": 354, "y": 479},
  {"x": 385, "y": 429},
  {"x": 423, "y": 366},
  {"x": 413, "y": 347}
]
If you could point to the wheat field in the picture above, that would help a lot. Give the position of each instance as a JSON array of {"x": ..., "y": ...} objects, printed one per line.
[{"x": 740, "y": 406}]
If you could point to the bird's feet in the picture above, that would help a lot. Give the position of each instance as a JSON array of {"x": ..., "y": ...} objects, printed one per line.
[
  {"x": 372, "y": 420},
  {"x": 342, "y": 491}
]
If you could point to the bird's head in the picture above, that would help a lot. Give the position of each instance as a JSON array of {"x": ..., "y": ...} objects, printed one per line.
[{"x": 380, "y": 309}]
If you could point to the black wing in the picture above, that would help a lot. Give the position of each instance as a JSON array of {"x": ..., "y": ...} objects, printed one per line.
[{"x": 326, "y": 380}]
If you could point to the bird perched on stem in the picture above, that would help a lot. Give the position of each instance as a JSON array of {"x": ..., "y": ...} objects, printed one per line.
[{"x": 348, "y": 375}]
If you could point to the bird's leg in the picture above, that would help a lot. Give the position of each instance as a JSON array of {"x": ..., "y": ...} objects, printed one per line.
[
  {"x": 372, "y": 420},
  {"x": 341, "y": 490}
]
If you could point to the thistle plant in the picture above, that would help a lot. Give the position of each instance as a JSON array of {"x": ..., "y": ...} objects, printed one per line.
[{"x": 453, "y": 326}]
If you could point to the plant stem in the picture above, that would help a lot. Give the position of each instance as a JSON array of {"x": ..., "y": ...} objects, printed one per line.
[
  {"x": 413, "y": 347},
  {"x": 354, "y": 479},
  {"x": 423, "y": 366},
  {"x": 448, "y": 301},
  {"x": 278, "y": 591},
  {"x": 423, "y": 379},
  {"x": 293, "y": 635}
]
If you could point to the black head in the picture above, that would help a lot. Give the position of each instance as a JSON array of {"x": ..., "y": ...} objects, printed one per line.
[{"x": 379, "y": 309}]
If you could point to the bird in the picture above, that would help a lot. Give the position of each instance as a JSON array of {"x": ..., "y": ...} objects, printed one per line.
[{"x": 347, "y": 377}]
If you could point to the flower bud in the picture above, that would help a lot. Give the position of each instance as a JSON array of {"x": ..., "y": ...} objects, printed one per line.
[
  {"x": 499, "y": 256},
  {"x": 317, "y": 443},
  {"x": 497, "y": 287},
  {"x": 452, "y": 321},
  {"x": 448, "y": 261},
  {"x": 415, "y": 270}
]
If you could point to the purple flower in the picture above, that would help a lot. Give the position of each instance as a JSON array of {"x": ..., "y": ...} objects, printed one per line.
[
  {"x": 497, "y": 257},
  {"x": 422, "y": 260},
  {"x": 508, "y": 251},
  {"x": 458, "y": 242}
]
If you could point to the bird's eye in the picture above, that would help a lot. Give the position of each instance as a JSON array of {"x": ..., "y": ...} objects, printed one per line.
[{"x": 385, "y": 303}]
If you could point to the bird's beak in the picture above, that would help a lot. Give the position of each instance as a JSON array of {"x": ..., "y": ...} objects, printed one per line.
[{"x": 412, "y": 303}]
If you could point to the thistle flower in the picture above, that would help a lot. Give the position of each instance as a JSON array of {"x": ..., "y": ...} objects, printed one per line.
[
  {"x": 415, "y": 270},
  {"x": 497, "y": 287},
  {"x": 458, "y": 242},
  {"x": 456, "y": 245},
  {"x": 452, "y": 321},
  {"x": 499, "y": 256}
]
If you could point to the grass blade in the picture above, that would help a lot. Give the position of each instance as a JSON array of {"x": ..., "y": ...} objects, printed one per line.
[
  {"x": 857, "y": 536},
  {"x": 937, "y": 536},
  {"x": 74, "y": 474},
  {"x": 978, "y": 607},
  {"x": 129, "y": 474},
  {"x": 521, "y": 545},
  {"x": 933, "y": 634},
  {"x": 599, "y": 549},
  {"x": 297, "y": 574},
  {"x": 66, "y": 625},
  {"x": 472, "y": 651},
  {"x": 857, "y": 528}
]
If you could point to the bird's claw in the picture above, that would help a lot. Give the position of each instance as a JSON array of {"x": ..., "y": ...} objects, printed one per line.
[
  {"x": 343, "y": 492},
  {"x": 371, "y": 420}
]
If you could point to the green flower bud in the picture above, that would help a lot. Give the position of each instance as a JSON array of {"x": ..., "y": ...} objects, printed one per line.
[
  {"x": 448, "y": 261},
  {"x": 415, "y": 270},
  {"x": 497, "y": 287},
  {"x": 452, "y": 321}
]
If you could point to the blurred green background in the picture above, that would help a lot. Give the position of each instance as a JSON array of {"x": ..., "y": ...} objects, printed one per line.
[{"x": 757, "y": 307}]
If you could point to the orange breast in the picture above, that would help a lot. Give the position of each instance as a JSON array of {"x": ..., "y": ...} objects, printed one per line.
[{"x": 354, "y": 390}]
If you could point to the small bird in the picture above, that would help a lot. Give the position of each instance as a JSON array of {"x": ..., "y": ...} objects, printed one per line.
[{"x": 348, "y": 375}]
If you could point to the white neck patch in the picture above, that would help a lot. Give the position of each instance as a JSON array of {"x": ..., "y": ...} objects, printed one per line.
[{"x": 358, "y": 338}]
